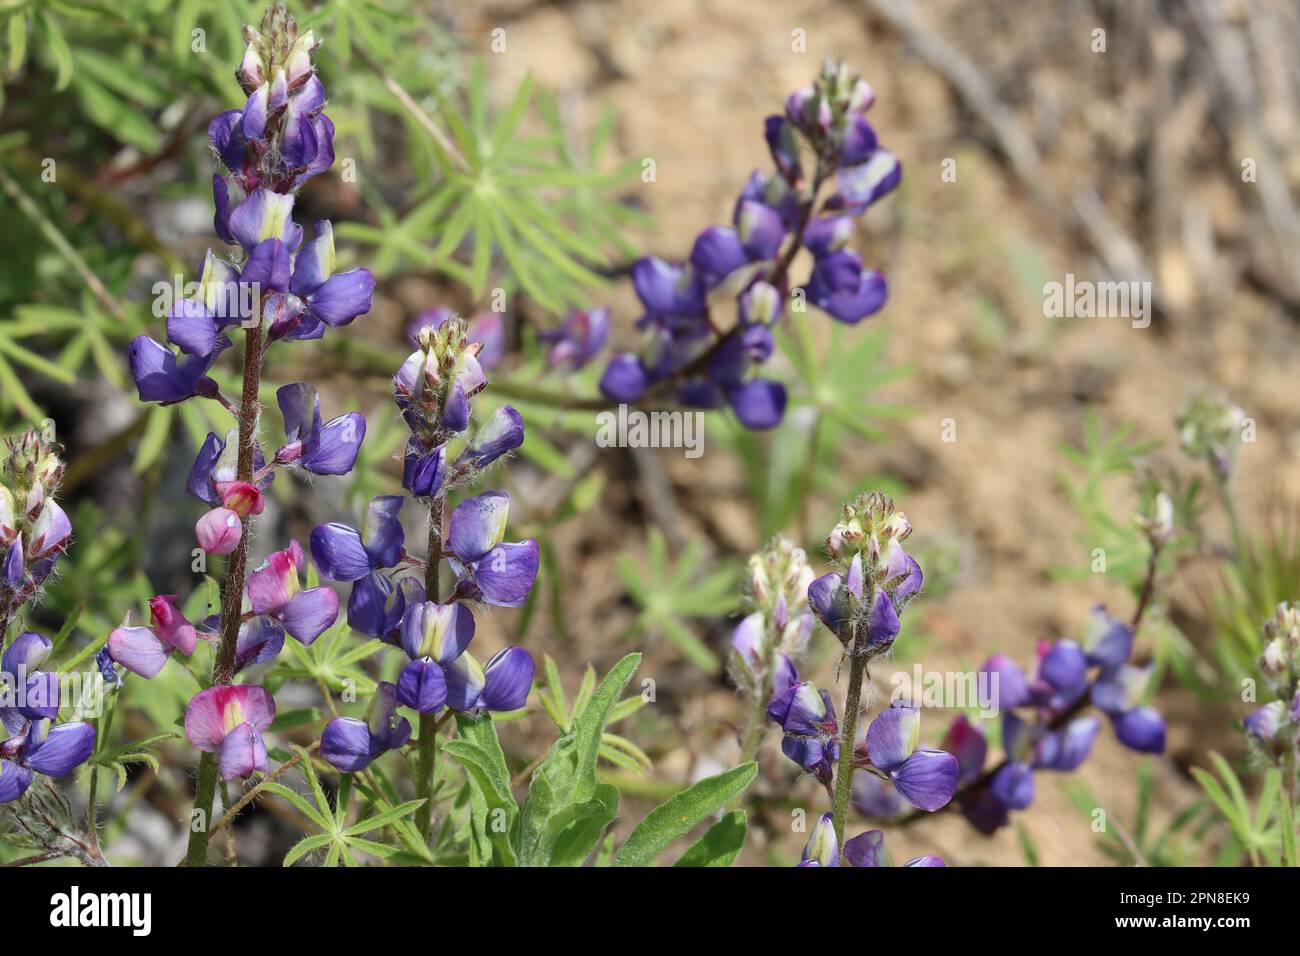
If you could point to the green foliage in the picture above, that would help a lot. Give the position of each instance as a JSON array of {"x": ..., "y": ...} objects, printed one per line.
[
  {"x": 1136, "y": 843},
  {"x": 832, "y": 404},
  {"x": 614, "y": 748},
  {"x": 1246, "y": 593},
  {"x": 678, "y": 815},
  {"x": 341, "y": 841},
  {"x": 720, "y": 844},
  {"x": 669, "y": 593},
  {"x": 1264, "y": 833}
]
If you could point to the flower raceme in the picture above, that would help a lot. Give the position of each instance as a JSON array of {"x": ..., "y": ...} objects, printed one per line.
[
  {"x": 434, "y": 390},
  {"x": 34, "y": 533},
  {"x": 711, "y": 363},
  {"x": 1043, "y": 724}
]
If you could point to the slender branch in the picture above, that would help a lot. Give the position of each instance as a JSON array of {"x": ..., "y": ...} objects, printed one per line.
[
  {"x": 1148, "y": 587},
  {"x": 252, "y": 792},
  {"x": 61, "y": 244},
  {"x": 418, "y": 113}
]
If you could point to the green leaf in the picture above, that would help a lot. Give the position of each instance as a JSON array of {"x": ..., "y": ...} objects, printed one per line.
[
  {"x": 305, "y": 846},
  {"x": 677, "y": 815},
  {"x": 566, "y": 779},
  {"x": 493, "y": 810},
  {"x": 720, "y": 844},
  {"x": 300, "y": 802}
]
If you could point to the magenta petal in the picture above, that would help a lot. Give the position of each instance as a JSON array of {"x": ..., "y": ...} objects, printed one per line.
[
  {"x": 214, "y": 712},
  {"x": 219, "y": 531},
  {"x": 139, "y": 650},
  {"x": 272, "y": 585},
  {"x": 310, "y": 613},
  {"x": 242, "y": 752}
]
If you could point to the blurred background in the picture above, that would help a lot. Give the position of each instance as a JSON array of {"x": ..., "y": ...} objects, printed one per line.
[{"x": 1163, "y": 149}]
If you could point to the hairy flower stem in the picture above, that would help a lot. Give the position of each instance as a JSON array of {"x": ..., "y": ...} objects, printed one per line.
[
  {"x": 1230, "y": 508},
  {"x": 232, "y": 594},
  {"x": 426, "y": 760},
  {"x": 848, "y": 738}
]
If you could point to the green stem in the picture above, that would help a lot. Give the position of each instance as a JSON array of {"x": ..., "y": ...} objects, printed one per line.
[
  {"x": 427, "y": 753},
  {"x": 1230, "y": 509},
  {"x": 848, "y": 737}
]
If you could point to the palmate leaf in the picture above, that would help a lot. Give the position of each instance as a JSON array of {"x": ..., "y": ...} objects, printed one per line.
[
  {"x": 613, "y": 748},
  {"x": 670, "y": 593},
  {"x": 342, "y": 840}
]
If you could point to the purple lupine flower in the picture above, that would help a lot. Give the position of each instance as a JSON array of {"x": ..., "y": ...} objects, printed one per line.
[
  {"x": 260, "y": 639},
  {"x": 274, "y": 591},
  {"x": 625, "y": 378},
  {"x": 501, "y": 434},
  {"x": 424, "y": 473},
  {"x": 824, "y": 118},
  {"x": 195, "y": 325},
  {"x": 926, "y": 779},
  {"x": 34, "y": 693},
  {"x": 578, "y": 338},
  {"x": 1107, "y": 642},
  {"x": 1119, "y": 692},
  {"x": 490, "y": 570},
  {"x": 345, "y": 554},
  {"x": 807, "y": 719},
  {"x": 377, "y": 604},
  {"x": 433, "y": 636},
  {"x": 53, "y": 750},
  {"x": 215, "y": 467},
  {"x": 323, "y": 296},
  {"x": 866, "y": 849},
  {"x": 161, "y": 377},
  {"x": 1006, "y": 683},
  {"x": 229, "y": 720},
  {"x": 1264, "y": 723},
  {"x": 822, "y": 848},
  {"x": 350, "y": 744},
  {"x": 502, "y": 686},
  {"x": 328, "y": 449},
  {"x": 144, "y": 650},
  {"x": 874, "y": 800}
]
